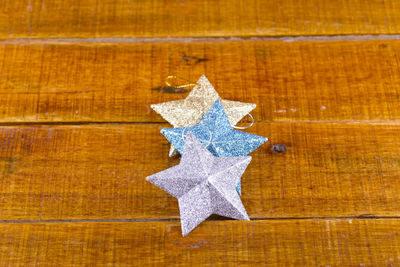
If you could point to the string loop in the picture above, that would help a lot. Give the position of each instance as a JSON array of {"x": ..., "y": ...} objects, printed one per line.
[
  {"x": 181, "y": 78},
  {"x": 210, "y": 133},
  {"x": 245, "y": 127}
]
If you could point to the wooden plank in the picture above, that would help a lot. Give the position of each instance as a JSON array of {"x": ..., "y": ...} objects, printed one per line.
[
  {"x": 308, "y": 81},
  {"x": 122, "y": 18},
  {"x": 217, "y": 243},
  {"x": 98, "y": 172}
]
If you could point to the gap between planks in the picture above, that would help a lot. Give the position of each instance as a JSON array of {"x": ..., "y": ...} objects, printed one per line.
[
  {"x": 288, "y": 38},
  {"x": 89, "y": 123},
  {"x": 361, "y": 217}
]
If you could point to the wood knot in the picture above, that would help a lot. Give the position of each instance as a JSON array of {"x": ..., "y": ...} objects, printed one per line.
[
  {"x": 170, "y": 89},
  {"x": 279, "y": 148},
  {"x": 191, "y": 60}
]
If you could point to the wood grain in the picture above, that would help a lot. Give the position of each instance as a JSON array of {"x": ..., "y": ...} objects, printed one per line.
[
  {"x": 229, "y": 243},
  {"x": 159, "y": 18},
  {"x": 98, "y": 172},
  {"x": 74, "y": 194},
  {"x": 300, "y": 81}
]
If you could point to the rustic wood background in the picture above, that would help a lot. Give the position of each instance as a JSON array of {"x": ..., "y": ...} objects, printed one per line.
[{"x": 78, "y": 138}]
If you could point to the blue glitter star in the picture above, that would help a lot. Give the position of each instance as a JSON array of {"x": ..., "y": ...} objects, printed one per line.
[{"x": 215, "y": 132}]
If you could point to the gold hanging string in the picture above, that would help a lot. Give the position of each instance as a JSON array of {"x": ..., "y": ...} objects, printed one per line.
[{"x": 180, "y": 78}]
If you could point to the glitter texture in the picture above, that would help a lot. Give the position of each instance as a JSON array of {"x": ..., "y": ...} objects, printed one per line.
[
  {"x": 190, "y": 111},
  {"x": 203, "y": 184},
  {"x": 225, "y": 141}
]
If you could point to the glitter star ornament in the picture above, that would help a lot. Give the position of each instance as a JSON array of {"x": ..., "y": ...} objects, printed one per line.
[
  {"x": 203, "y": 184},
  {"x": 190, "y": 111},
  {"x": 225, "y": 141},
  {"x": 215, "y": 131}
]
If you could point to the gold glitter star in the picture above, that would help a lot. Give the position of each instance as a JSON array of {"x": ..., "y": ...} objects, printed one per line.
[{"x": 189, "y": 111}]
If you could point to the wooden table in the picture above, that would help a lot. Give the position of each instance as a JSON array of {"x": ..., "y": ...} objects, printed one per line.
[{"x": 78, "y": 137}]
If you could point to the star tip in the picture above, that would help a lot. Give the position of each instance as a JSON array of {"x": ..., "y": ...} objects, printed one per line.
[
  {"x": 217, "y": 104},
  {"x": 154, "y": 107},
  {"x": 245, "y": 159},
  {"x": 185, "y": 232},
  {"x": 173, "y": 153},
  {"x": 203, "y": 78}
]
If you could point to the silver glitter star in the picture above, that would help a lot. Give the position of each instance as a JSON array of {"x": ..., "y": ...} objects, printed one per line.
[
  {"x": 203, "y": 184},
  {"x": 189, "y": 111}
]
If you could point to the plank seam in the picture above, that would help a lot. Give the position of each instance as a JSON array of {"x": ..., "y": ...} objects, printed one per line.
[
  {"x": 88, "y": 123},
  {"x": 364, "y": 217},
  {"x": 284, "y": 38}
]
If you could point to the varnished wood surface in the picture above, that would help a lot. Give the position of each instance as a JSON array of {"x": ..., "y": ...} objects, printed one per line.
[
  {"x": 78, "y": 138},
  {"x": 300, "y": 81},
  {"x": 98, "y": 172},
  {"x": 159, "y": 18},
  {"x": 216, "y": 243}
]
